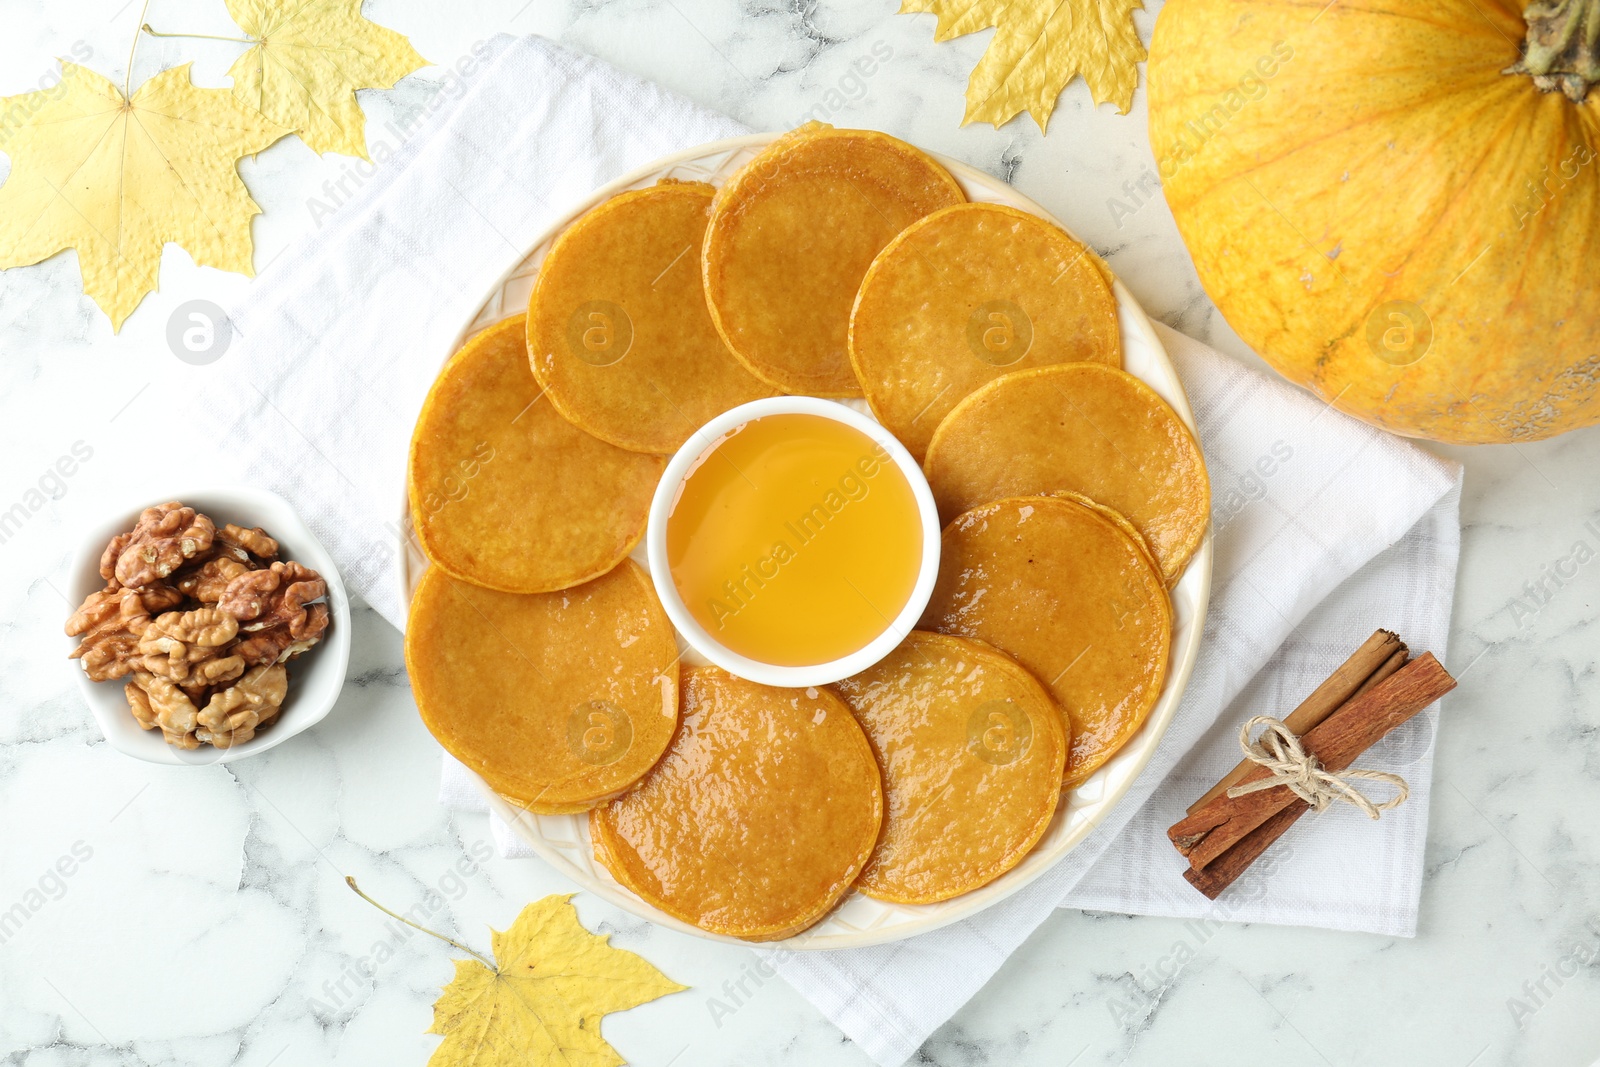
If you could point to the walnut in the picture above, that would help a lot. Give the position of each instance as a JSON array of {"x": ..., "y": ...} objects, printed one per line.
[
  {"x": 274, "y": 613},
  {"x": 201, "y": 675},
  {"x": 247, "y": 595},
  {"x": 111, "y": 624},
  {"x": 167, "y": 535},
  {"x": 160, "y": 597},
  {"x": 108, "y": 558},
  {"x": 207, "y": 582},
  {"x": 96, "y": 609},
  {"x": 146, "y": 715},
  {"x": 169, "y": 707},
  {"x": 267, "y": 598},
  {"x": 139, "y": 704},
  {"x": 208, "y": 627},
  {"x": 111, "y": 608},
  {"x": 110, "y": 658},
  {"x": 177, "y": 643},
  {"x": 284, "y": 642},
  {"x": 241, "y": 544},
  {"x": 233, "y": 716}
]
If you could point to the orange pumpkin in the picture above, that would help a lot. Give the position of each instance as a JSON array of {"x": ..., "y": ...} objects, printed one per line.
[{"x": 1391, "y": 204}]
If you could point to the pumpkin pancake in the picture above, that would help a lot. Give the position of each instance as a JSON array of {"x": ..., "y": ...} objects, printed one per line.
[
  {"x": 758, "y": 818},
  {"x": 1080, "y": 426},
  {"x": 558, "y": 700},
  {"x": 618, "y": 329},
  {"x": 792, "y": 234},
  {"x": 1066, "y": 593},
  {"x": 966, "y": 295},
  {"x": 507, "y": 494},
  {"x": 1116, "y": 517},
  {"x": 972, "y": 749}
]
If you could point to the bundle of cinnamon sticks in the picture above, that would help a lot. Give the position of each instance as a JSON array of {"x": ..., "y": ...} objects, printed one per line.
[{"x": 1379, "y": 687}]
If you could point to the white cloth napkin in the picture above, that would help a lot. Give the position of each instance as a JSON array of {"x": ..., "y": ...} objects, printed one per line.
[{"x": 1325, "y": 529}]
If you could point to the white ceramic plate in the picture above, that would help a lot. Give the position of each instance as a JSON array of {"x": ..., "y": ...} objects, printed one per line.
[
  {"x": 563, "y": 840},
  {"x": 315, "y": 677}
]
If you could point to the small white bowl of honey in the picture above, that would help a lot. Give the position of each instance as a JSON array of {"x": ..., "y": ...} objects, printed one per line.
[{"x": 793, "y": 541}]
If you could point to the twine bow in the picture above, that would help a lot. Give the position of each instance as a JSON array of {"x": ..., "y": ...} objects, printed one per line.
[{"x": 1279, "y": 750}]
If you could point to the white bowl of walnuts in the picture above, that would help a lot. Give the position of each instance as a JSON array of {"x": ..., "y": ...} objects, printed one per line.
[{"x": 209, "y": 627}]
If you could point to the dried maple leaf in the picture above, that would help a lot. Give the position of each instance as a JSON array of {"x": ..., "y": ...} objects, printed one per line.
[
  {"x": 308, "y": 60},
  {"x": 543, "y": 1002},
  {"x": 117, "y": 178},
  {"x": 1038, "y": 47}
]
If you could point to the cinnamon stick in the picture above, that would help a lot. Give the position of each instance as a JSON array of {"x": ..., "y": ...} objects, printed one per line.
[
  {"x": 1359, "y": 671},
  {"x": 1336, "y": 742},
  {"x": 1400, "y": 658},
  {"x": 1226, "y": 868}
]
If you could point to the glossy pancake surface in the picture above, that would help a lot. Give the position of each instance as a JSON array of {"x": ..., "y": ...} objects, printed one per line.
[
  {"x": 507, "y": 494},
  {"x": 792, "y": 234},
  {"x": 968, "y": 294},
  {"x": 1094, "y": 430},
  {"x": 1115, "y": 517},
  {"x": 618, "y": 329},
  {"x": 558, "y": 700},
  {"x": 972, "y": 749},
  {"x": 757, "y": 819},
  {"x": 1068, "y": 595}
]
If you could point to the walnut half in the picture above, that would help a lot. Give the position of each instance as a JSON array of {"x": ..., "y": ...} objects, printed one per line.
[
  {"x": 166, "y": 536},
  {"x": 240, "y": 544},
  {"x": 110, "y": 624},
  {"x": 166, "y": 706},
  {"x": 276, "y": 617},
  {"x": 207, "y": 582},
  {"x": 178, "y": 643},
  {"x": 233, "y": 716}
]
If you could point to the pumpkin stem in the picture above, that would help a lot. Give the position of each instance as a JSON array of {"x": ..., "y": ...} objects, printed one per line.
[{"x": 1562, "y": 49}]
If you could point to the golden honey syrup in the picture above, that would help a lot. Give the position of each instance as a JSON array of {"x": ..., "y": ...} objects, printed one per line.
[{"x": 795, "y": 540}]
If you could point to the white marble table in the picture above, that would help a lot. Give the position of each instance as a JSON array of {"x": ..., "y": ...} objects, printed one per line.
[{"x": 205, "y": 922}]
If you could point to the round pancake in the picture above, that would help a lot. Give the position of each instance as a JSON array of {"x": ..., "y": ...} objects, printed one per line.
[
  {"x": 791, "y": 236},
  {"x": 966, "y": 295},
  {"x": 758, "y": 818},
  {"x": 618, "y": 329},
  {"x": 507, "y": 494},
  {"x": 1080, "y": 426},
  {"x": 972, "y": 749},
  {"x": 558, "y": 700},
  {"x": 1067, "y": 594},
  {"x": 1116, "y": 517}
]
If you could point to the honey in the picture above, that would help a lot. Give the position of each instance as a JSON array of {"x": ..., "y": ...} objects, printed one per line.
[{"x": 795, "y": 540}]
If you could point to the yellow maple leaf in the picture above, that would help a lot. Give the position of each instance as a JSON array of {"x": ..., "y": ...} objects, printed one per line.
[
  {"x": 117, "y": 178},
  {"x": 308, "y": 59},
  {"x": 543, "y": 1002},
  {"x": 1038, "y": 47}
]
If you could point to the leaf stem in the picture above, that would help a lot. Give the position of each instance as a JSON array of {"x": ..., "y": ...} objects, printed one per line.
[
  {"x": 487, "y": 962},
  {"x": 127, "y": 79},
  {"x": 199, "y": 36}
]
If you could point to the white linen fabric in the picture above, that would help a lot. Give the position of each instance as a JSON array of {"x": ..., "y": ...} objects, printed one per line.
[{"x": 1325, "y": 529}]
